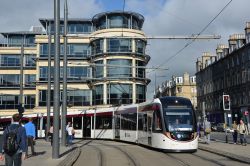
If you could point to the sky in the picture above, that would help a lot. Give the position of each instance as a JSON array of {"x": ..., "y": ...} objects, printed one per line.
[{"x": 162, "y": 18}]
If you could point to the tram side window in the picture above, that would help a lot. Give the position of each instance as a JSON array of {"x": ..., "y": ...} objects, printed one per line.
[
  {"x": 140, "y": 122},
  {"x": 157, "y": 122},
  {"x": 103, "y": 122},
  {"x": 77, "y": 124},
  {"x": 128, "y": 121}
]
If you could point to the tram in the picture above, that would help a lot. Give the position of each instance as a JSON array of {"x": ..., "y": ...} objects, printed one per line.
[{"x": 166, "y": 123}]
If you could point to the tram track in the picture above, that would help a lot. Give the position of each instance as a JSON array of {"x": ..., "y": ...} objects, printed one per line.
[
  {"x": 100, "y": 156},
  {"x": 210, "y": 160},
  {"x": 130, "y": 157},
  {"x": 183, "y": 163}
]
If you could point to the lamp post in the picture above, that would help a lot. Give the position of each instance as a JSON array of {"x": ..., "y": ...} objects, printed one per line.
[
  {"x": 56, "y": 109},
  {"x": 64, "y": 105},
  {"x": 49, "y": 83}
]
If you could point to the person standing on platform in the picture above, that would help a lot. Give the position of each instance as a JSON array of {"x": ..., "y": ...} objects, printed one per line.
[
  {"x": 14, "y": 143},
  {"x": 207, "y": 127},
  {"x": 243, "y": 131},
  {"x": 235, "y": 132},
  {"x": 31, "y": 136}
]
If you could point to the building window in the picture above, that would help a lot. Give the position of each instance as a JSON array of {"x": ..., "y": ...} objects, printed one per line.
[
  {"x": 30, "y": 80},
  {"x": 79, "y": 97},
  {"x": 97, "y": 47},
  {"x": 101, "y": 24},
  {"x": 140, "y": 93},
  {"x": 98, "y": 69},
  {"x": 30, "y": 60},
  {"x": 117, "y": 70},
  {"x": 140, "y": 71},
  {"x": 9, "y": 101},
  {"x": 179, "y": 89},
  {"x": 79, "y": 28},
  {"x": 10, "y": 60},
  {"x": 29, "y": 101},
  {"x": 9, "y": 80},
  {"x": 118, "y": 22},
  {"x": 78, "y": 50},
  {"x": 98, "y": 95},
  {"x": 119, "y": 93},
  {"x": 140, "y": 46},
  {"x": 179, "y": 80},
  {"x": 119, "y": 45},
  {"x": 74, "y": 73},
  {"x": 78, "y": 73}
]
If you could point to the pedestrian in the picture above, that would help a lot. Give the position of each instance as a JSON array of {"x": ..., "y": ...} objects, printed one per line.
[
  {"x": 243, "y": 131},
  {"x": 67, "y": 135},
  {"x": 51, "y": 134},
  {"x": 14, "y": 143},
  {"x": 207, "y": 127},
  {"x": 71, "y": 133},
  {"x": 235, "y": 133},
  {"x": 31, "y": 136}
]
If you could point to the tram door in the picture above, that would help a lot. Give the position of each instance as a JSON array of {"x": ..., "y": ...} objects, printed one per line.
[
  {"x": 149, "y": 125},
  {"x": 117, "y": 126},
  {"x": 86, "y": 127}
]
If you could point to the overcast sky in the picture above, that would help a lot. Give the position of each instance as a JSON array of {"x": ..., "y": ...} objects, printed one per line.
[{"x": 162, "y": 17}]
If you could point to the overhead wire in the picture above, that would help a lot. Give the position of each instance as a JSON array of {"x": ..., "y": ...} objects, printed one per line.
[{"x": 193, "y": 40}]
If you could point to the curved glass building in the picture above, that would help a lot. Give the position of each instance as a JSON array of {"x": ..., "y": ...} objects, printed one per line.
[{"x": 106, "y": 63}]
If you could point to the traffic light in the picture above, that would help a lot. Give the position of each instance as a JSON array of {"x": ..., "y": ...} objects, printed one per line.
[{"x": 226, "y": 102}]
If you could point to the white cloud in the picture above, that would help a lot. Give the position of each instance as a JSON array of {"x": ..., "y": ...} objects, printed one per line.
[{"x": 162, "y": 17}]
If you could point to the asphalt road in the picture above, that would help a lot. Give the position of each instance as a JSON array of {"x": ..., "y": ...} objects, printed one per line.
[{"x": 109, "y": 153}]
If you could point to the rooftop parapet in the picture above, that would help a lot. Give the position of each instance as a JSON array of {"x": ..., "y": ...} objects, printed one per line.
[{"x": 236, "y": 41}]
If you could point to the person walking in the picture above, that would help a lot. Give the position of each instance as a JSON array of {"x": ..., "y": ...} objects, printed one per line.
[
  {"x": 207, "y": 127},
  {"x": 243, "y": 131},
  {"x": 235, "y": 132},
  {"x": 67, "y": 135},
  {"x": 14, "y": 143},
  {"x": 31, "y": 135}
]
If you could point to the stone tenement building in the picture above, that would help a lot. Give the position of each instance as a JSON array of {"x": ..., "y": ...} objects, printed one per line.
[
  {"x": 183, "y": 86},
  {"x": 227, "y": 72}
]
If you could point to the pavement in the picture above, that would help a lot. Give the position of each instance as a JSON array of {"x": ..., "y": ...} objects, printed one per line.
[
  {"x": 233, "y": 151},
  {"x": 68, "y": 155}
]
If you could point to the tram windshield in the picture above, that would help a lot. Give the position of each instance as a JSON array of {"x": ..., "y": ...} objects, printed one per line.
[{"x": 179, "y": 119}]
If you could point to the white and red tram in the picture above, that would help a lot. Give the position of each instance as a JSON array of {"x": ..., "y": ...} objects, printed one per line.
[{"x": 166, "y": 123}]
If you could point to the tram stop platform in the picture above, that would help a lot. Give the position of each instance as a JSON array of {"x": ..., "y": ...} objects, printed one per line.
[
  {"x": 233, "y": 151},
  {"x": 44, "y": 155},
  {"x": 68, "y": 155}
]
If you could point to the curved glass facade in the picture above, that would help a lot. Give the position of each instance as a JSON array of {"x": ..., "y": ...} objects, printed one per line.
[
  {"x": 119, "y": 45},
  {"x": 98, "y": 95},
  {"x": 98, "y": 70},
  {"x": 119, "y": 93},
  {"x": 97, "y": 46},
  {"x": 115, "y": 68},
  {"x": 140, "y": 93},
  {"x": 118, "y": 20}
]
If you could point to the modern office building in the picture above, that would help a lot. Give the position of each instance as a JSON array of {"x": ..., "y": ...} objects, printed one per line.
[
  {"x": 106, "y": 63},
  {"x": 182, "y": 86},
  {"x": 226, "y": 73}
]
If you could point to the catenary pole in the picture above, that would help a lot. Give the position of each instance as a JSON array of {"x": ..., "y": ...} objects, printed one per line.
[
  {"x": 64, "y": 106},
  {"x": 49, "y": 82},
  {"x": 56, "y": 109}
]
